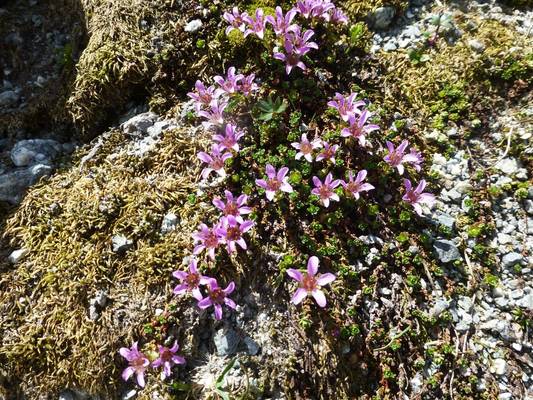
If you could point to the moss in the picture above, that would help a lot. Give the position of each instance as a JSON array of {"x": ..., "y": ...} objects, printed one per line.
[{"x": 359, "y": 9}]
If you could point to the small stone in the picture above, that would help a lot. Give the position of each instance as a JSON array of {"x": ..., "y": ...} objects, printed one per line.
[
  {"x": 508, "y": 166},
  {"x": 499, "y": 366},
  {"x": 66, "y": 395},
  {"x": 170, "y": 222},
  {"x": 8, "y": 98},
  {"x": 100, "y": 298},
  {"x": 382, "y": 17},
  {"x": 517, "y": 346},
  {"x": 476, "y": 45},
  {"x": 390, "y": 46},
  {"x": 417, "y": 383},
  {"x": 446, "y": 250},
  {"x": 446, "y": 220},
  {"x": 17, "y": 255},
  {"x": 226, "y": 342},
  {"x": 93, "y": 313},
  {"x": 505, "y": 396},
  {"x": 129, "y": 395},
  {"x": 511, "y": 259},
  {"x": 528, "y": 206},
  {"x": 121, "y": 243},
  {"x": 251, "y": 346},
  {"x": 139, "y": 124},
  {"x": 193, "y": 26},
  {"x": 439, "y": 307},
  {"x": 35, "y": 151},
  {"x": 504, "y": 238}
]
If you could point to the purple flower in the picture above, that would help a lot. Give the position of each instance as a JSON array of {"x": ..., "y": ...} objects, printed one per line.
[
  {"x": 416, "y": 197},
  {"x": 280, "y": 23},
  {"x": 359, "y": 128},
  {"x": 214, "y": 115},
  {"x": 322, "y": 9},
  {"x": 168, "y": 358},
  {"x": 256, "y": 25},
  {"x": 338, "y": 17},
  {"x": 190, "y": 281},
  {"x": 397, "y": 157},
  {"x": 275, "y": 182},
  {"x": 325, "y": 191},
  {"x": 236, "y": 20},
  {"x": 215, "y": 160},
  {"x": 306, "y": 148},
  {"x": 355, "y": 186},
  {"x": 231, "y": 232},
  {"x": 138, "y": 363},
  {"x": 248, "y": 86},
  {"x": 231, "y": 138},
  {"x": 309, "y": 283},
  {"x": 301, "y": 42},
  {"x": 305, "y": 7},
  {"x": 230, "y": 84},
  {"x": 328, "y": 153},
  {"x": 203, "y": 96},
  {"x": 346, "y": 106},
  {"x": 216, "y": 297},
  {"x": 209, "y": 240},
  {"x": 291, "y": 58},
  {"x": 234, "y": 207}
]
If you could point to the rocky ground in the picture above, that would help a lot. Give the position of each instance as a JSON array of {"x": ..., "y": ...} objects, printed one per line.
[{"x": 480, "y": 233}]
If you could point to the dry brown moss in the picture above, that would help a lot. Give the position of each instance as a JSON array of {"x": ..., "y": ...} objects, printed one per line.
[
  {"x": 48, "y": 341},
  {"x": 359, "y": 9}
]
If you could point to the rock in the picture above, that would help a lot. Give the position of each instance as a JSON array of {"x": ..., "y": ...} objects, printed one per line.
[
  {"x": 417, "y": 383},
  {"x": 390, "y": 46},
  {"x": 139, "y": 124},
  {"x": 499, "y": 366},
  {"x": 17, "y": 255},
  {"x": 14, "y": 184},
  {"x": 35, "y": 151},
  {"x": 511, "y": 259},
  {"x": 526, "y": 302},
  {"x": 476, "y": 45},
  {"x": 121, "y": 243},
  {"x": 66, "y": 395},
  {"x": 528, "y": 206},
  {"x": 504, "y": 238},
  {"x": 170, "y": 222},
  {"x": 226, "y": 341},
  {"x": 8, "y": 98},
  {"x": 508, "y": 166},
  {"x": 446, "y": 250},
  {"x": 251, "y": 346},
  {"x": 446, "y": 220},
  {"x": 193, "y": 26},
  {"x": 382, "y": 17},
  {"x": 439, "y": 307}
]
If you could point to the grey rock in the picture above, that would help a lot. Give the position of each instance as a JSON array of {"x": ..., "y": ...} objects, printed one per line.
[
  {"x": 193, "y": 25},
  {"x": 526, "y": 302},
  {"x": 35, "y": 151},
  {"x": 170, "y": 222},
  {"x": 511, "y": 259},
  {"x": 390, "y": 46},
  {"x": 93, "y": 313},
  {"x": 508, "y": 166},
  {"x": 139, "y": 124},
  {"x": 8, "y": 98},
  {"x": 504, "y": 238},
  {"x": 446, "y": 220},
  {"x": 528, "y": 206},
  {"x": 476, "y": 45},
  {"x": 121, "y": 243},
  {"x": 499, "y": 366},
  {"x": 66, "y": 395},
  {"x": 382, "y": 17},
  {"x": 17, "y": 255},
  {"x": 226, "y": 341},
  {"x": 446, "y": 250},
  {"x": 13, "y": 184},
  {"x": 439, "y": 307},
  {"x": 417, "y": 383},
  {"x": 251, "y": 346}
]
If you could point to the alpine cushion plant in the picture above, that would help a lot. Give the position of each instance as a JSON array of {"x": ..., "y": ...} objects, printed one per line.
[
  {"x": 235, "y": 207},
  {"x": 397, "y": 157},
  {"x": 359, "y": 128},
  {"x": 202, "y": 96},
  {"x": 208, "y": 239},
  {"x": 167, "y": 359},
  {"x": 138, "y": 363},
  {"x": 248, "y": 86},
  {"x": 256, "y": 25},
  {"x": 230, "y": 140},
  {"x": 214, "y": 115},
  {"x": 236, "y": 20},
  {"x": 231, "y": 231},
  {"x": 305, "y": 147},
  {"x": 354, "y": 187},
  {"x": 309, "y": 283},
  {"x": 416, "y": 196},
  {"x": 215, "y": 161},
  {"x": 325, "y": 190},
  {"x": 328, "y": 152},
  {"x": 216, "y": 297},
  {"x": 229, "y": 84},
  {"x": 190, "y": 281},
  {"x": 277, "y": 181},
  {"x": 282, "y": 23},
  {"x": 346, "y": 106}
]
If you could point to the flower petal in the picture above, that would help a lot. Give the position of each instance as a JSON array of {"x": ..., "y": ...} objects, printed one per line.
[
  {"x": 295, "y": 274},
  {"x": 298, "y": 296},
  {"x": 326, "y": 278},
  {"x": 319, "y": 297},
  {"x": 312, "y": 265}
]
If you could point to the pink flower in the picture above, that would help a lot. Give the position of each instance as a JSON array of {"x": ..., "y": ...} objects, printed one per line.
[
  {"x": 138, "y": 363},
  {"x": 236, "y": 20},
  {"x": 282, "y": 24},
  {"x": 301, "y": 42},
  {"x": 230, "y": 84},
  {"x": 346, "y": 106},
  {"x": 355, "y": 186},
  {"x": 291, "y": 58},
  {"x": 397, "y": 157},
  {"x": 325, "y": 191},
  {"x": 322, "y": 9},
  {"x": 416, "y": 197},
  {"x": 358, "y": 127},
  {"x": 248, "y": 86},
  {"x": 231, "y": 231},
  {"x": 234, "y": 207},
  {"x": 215, "y": 160},
  {"x": 216, "y": 297},
  {"x": 230, "y": 140},
  {"x": 190, "y": 281},
  {"x": 168, "y": 358},
  {"x": 305, "y": 7},
  {"x": 328, "y": 153},
  {"x": 214, "y": 115},
  {"x": 209, "y": 240},
  {"x": 256, "y": 25},
  {"x": 338, "y": 17},
  {"x": 203, "y": 96},
  {"x": 309, "y": 283},
  {"x": 275, "y": 182},
  {"x": 306, "y": 148}
]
